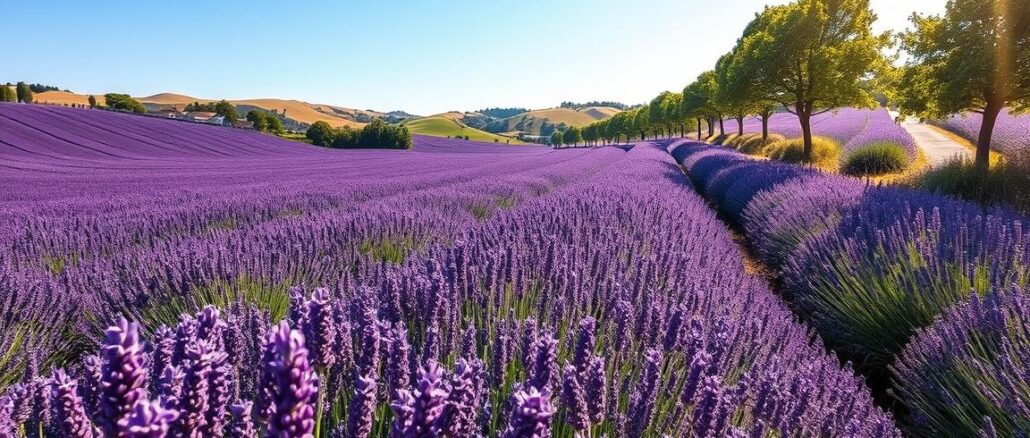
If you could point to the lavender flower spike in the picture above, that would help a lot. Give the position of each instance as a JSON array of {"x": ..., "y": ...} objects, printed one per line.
[
  {"x": 242, "y": 421},
  {"x": 123, "y": 375},
  {"x": 148, "y": 419},
  {"x": 71, "y": 416},
  {"x": 362, "y": 408},
  {"x": 296, "y": 386},
  {"x": 531, "y": 416}
]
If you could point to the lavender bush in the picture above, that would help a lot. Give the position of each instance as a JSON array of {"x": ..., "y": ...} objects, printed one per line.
[{"x": 970, "y": 371}]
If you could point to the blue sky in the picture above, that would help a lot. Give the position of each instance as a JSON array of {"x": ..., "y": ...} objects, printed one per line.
[{"x": 420, "y": 56}]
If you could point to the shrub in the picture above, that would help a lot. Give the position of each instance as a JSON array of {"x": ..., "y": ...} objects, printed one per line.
[
  {"x": 897, "y": 260},
  {"x": 876, "y": 159},
  {"x": 1008, "y": 183},
  {"x": 825, "y": 151},
  {"x": 780, "y": 219},
  {"x": 752, "y": 144},
  {"x": 973, "y": 364}
]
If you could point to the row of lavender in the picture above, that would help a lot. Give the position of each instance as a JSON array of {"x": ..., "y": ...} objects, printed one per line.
[
  {"x": 852, "y": 128},
  {"x": 1011, "y": 131},
  {"x": 894, "y": 277},
  {"x": 501, "y": 299}
]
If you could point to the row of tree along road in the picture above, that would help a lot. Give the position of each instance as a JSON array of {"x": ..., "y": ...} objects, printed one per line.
[{"x": 813, "y": 56}]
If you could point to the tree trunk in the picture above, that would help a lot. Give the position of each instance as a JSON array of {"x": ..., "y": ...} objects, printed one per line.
[
  {"x": 765, "y": 128},
  {"x": 711, "y": 126},
  {"x": 683, "y": 128},
  {"x": 698, "y": 129},
  {"x": 740, "y": 125},
  {"x": 983, "y": 141},
  {"x": 805, "y": 117},
  {"x": 722, "y": 128}
]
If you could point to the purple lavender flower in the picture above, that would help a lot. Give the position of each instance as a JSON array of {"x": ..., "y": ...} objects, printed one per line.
[
  {"x": 420, "y": 412},
  {"x": 242, "y": 425},
  {"x": 195, "y": 400},
  {"x": 463, "y": 401},
  {"x": 319, "y": 328},
  {"x": 398, "y": 359},
  {"x": 531, "y": 415},
  {"x": 573, "y": 400},
  {"x": 147, "y": 419},
  {"x": 296, "y": 386},
  {"x": 362, "y": 408},
  {"x": 71, "y": 415},
  {"x": 585, "y": 344},
  {"x": 162, "y": 347},
  {"x": 596, "y": 389},
  {"x": 123, "y": 375},
  {"x": 545, "y": 368}
]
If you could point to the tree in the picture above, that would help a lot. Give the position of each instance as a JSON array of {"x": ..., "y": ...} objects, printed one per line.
[
  {"x": 320, "y": 133},
  {"x": 227, "y": 110},
  {"x": 976, "y": 57},
  {"x": 346, "y": 137},
  {"x": 556, "y": 139},
  {"x": 699, "y": 101},
  {"x": 572, "y": 136},
  {"x": 24, "y": 93},
  {"x": 123, "y": 102},
  {"x": 92, "y": 101},
  {"x": 813, "y": 56},
  {"x": 258, "y": 119},
  {"x": 7, "y": 94}
]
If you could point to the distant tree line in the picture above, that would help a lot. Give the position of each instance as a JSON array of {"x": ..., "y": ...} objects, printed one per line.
[
  {"x": 574, "y": 105},
  {"x": 375, "y": 135},
  {"x": 40, "y": 88},
  {"x": 222, "y": 108},
  {"x": 7, "y": 94},
  {"x": 502, "y": 113}
]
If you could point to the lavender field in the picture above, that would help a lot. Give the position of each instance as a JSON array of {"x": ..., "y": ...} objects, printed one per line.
[
  {"x": 1011, "y": 132},
  {"x": 852, "y": 128},
  {"x": 160, "y": 278}
]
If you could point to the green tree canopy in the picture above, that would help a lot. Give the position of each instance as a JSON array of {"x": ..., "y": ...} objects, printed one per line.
[
  {"x": 123, "y": 102},
  {"x": 92, "y": 101},
  {"x": 813, "y": 56},
  {"x": 7, "y": 94},
  {"x": 572, "y": 136},
  {"x": 976, "y": 57},
  {"x": 320, "y": 133},
  {"x": 24, "y": 93},
  {"x": 556, "y": 139},
  {"x": 227, "y": 110}
]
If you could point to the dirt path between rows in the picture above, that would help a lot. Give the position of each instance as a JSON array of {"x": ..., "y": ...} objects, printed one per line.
[{"x": 937, "y": 145}]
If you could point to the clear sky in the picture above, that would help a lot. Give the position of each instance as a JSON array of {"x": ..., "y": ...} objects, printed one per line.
[{"x": 422, "y": 56}]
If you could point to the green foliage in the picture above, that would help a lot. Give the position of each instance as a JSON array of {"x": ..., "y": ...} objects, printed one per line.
[
  {"x": 375, "y": 135},
  {"x": 92, "y": 101},
  {"x": 23, "y": 92},
  {"x": 1007, "y": 183},
  {"x": 265, "y": 121},
  {"x": 973, "y": 58},
  {"x": 572, "y": 136},
  {"x": 556, "y": 139},
  {"x": 321, "y": 133},
  {"x": 123, "y": 102},
  {"x": 825, "y": 152},
  {"x": 876, "y": 159},
  {"x": 7, "y": 94},
  {"x": 811, "y": 56},
  {"x": 200, "y": 107},
  {"x": 227, "y": 110}
]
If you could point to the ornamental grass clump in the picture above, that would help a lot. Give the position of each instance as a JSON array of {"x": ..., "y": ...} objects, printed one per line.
[
  {"x": 970, "y": 371},
  {"x": 825, "y": 152},
  {"x": 875, "y": 159}
]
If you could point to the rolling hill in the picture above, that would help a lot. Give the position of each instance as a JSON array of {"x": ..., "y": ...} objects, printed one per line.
[
  {"x": 302, "y": 112},
  {"x": 534, "y": 122},
  {"x": 450, "y": 125}
]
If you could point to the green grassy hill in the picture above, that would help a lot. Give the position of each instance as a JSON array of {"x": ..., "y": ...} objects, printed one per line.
[{"x": 442, "y": 126}]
